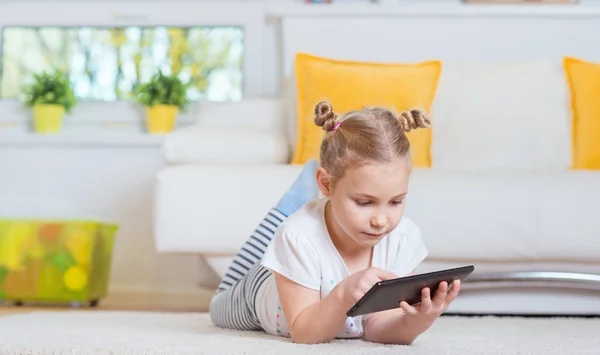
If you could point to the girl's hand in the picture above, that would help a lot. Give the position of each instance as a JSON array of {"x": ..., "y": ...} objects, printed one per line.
[
  {"x": 404, "y": 326},
  {"x": 429, "y": 309},
  {"x": 356, "y": 285}
]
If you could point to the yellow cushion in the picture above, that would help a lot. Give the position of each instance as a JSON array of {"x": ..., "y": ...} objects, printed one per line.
[
  {"x": 350, "y": 85},
  {"x": 584, "y": 84}
]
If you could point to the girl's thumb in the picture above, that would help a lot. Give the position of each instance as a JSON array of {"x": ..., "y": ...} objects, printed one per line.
[{"x": 385, "y": 275}]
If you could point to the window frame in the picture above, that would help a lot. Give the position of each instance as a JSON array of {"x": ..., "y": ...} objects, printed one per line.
[{"x": 249, "y": 16}]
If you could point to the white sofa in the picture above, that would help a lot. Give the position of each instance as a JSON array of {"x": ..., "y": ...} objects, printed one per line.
[{"x": 500, "y": 194}]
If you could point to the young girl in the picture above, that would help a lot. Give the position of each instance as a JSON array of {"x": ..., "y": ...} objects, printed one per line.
[{"x": 330, "y": 251}]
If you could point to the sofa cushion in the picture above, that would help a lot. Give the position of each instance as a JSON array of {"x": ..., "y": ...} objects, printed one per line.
[
  {"x": 584, "y": 84},
  {"x": 507, "y": 216},
  {"x": 509, "y": 115},
  {"x": 213, "y": 144},
  {"x": 568, "y": 216},
  {"x": 475, "y": 216},
  {"x": 351, "y": 85}
]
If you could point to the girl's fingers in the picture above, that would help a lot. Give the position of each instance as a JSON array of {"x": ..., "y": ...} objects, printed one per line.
[
  {"x": 440, "y": 293},
  {"x": 425, "y": 300},
  {"x": 453, "y": 292},
  {"x": 408, "y": 309}
]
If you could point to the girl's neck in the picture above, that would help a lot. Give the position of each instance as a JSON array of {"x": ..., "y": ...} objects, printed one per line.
[{"x": 345, "y": 245}]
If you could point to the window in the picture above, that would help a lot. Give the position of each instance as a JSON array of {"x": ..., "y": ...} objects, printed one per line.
[{"x": 105, "y": 63}]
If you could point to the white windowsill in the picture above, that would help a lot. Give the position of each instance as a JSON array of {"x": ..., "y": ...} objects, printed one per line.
[
  {"x": 412, "y": 8},
  {"x": 91, "y": 124}
]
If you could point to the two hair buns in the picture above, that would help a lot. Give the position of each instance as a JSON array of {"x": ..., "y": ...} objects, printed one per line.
[{"x": 409, "y": 120}]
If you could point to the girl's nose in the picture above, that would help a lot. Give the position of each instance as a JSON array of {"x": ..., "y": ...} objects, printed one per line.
[{"x": 378, "y": 221}]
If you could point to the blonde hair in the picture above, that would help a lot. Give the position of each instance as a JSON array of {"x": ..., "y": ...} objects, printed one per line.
[{"x": 358, "y": 137}]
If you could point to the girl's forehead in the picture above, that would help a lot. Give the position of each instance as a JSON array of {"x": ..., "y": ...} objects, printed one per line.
[
  {"x": 377, "y": 176},
  {"x": 397, "y": 167}
]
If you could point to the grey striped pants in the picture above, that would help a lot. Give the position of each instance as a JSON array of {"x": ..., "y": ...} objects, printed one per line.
[{"x": 233, "y": 304}]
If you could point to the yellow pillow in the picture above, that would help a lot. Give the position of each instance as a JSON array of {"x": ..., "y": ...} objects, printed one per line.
[
  {"x": 584, "y": 84},
  {"x": 351, "y": 85}
]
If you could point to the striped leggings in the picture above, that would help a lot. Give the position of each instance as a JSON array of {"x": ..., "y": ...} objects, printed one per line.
[{"x": 233, "y": 304}]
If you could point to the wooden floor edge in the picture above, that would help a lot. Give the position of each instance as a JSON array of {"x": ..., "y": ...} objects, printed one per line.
[
  {"x": 192, "y": 299},
  {"x": 131, "y": 298}
]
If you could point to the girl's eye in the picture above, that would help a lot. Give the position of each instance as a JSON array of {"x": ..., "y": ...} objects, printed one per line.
[
  {"x": 397, "y": 202},
  {"x": 362, "y": 203}
]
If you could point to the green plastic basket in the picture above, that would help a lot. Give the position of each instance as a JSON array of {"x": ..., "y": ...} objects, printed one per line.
[{"x": 55, "y": 261}]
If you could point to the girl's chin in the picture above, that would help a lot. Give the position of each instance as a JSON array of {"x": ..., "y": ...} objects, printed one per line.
[{"x": 367, "y": 242}]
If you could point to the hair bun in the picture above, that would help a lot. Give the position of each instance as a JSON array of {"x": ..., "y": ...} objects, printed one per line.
[
  {"x": 324, "y": 116},
  {"x": 413, "y": 119}
]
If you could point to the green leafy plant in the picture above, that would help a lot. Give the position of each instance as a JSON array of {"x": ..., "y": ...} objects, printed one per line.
[
  {"x": 162, "y": 90},
  {"x": 50, "y": 89}
]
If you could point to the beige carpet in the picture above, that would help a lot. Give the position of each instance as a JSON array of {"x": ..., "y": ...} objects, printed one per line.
[{"x": 191, "y": 333}]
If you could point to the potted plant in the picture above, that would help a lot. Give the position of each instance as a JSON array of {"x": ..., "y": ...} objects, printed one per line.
[
  {"x": 50, "y": 95},
  {"x": 163, "y": 96}
]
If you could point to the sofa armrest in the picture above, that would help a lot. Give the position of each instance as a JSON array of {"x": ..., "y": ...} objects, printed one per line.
[
  {"x": 212, "y": 209},
  {"x": 223, "y": 145}
]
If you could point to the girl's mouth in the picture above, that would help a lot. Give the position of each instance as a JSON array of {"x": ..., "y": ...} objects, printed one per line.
[{"x": 371, "y": 235}]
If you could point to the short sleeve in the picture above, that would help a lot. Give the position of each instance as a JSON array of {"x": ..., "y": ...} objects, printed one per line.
[
  {"x": 411, "y": 249},
  {"x": 295, "y": 257}
]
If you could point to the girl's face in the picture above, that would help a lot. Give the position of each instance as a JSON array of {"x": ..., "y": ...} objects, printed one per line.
[{"x": 368, "y": 201}]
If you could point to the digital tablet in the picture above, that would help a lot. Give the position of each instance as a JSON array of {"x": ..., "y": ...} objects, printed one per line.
[{"x": 388, "y": 294}]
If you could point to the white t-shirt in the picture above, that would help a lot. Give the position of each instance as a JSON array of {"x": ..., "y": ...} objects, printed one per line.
[{"x": 302, "y": 251}]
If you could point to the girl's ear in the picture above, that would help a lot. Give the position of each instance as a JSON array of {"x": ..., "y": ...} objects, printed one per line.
[{"x": 324, "y": 182}]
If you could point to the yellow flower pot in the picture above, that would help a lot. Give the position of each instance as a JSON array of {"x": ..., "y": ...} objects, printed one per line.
[
  {"x": 48, "y": 118},
  {"x": 161, "y": 118}
]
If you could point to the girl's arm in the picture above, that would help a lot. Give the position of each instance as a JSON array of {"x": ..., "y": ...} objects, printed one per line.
[
  {"x": 312, "y": 320},
  {"x": 390, "y": 327}
]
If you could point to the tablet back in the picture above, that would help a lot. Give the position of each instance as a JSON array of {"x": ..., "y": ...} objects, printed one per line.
[{"x": 388, "y": 294}]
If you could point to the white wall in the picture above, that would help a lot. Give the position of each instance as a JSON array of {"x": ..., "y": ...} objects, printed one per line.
[
  {"x": 55, "y": 178},
  {"x": 99, "y": 169},
  {"x": 451, "y": 33}
]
